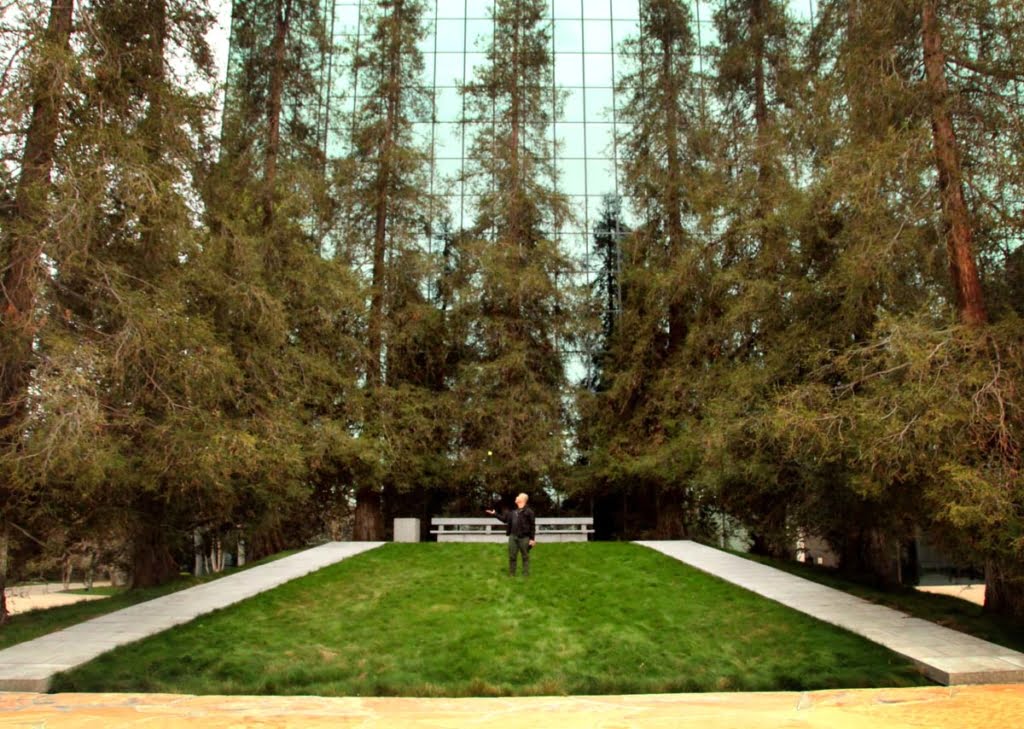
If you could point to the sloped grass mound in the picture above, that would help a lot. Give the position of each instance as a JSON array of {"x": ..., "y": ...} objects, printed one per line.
[{"x": 444, "y": 620}]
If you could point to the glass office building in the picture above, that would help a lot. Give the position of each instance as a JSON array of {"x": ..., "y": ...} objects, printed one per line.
[{"x": 585, "y": 43}]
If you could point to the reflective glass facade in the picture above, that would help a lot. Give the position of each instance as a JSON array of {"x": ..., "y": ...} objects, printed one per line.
[{"x": 585, "y": 40}]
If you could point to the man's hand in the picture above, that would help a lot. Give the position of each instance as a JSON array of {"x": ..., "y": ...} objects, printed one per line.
[
  {"x": 489, "y": 511},
  {"x": 532, "y": 542}
]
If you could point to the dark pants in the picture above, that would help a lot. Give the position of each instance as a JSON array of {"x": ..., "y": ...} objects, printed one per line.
[{"x": 517, "y": 545}]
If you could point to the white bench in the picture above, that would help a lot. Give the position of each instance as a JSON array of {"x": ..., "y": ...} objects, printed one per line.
[{"x": 489, "y": 529}]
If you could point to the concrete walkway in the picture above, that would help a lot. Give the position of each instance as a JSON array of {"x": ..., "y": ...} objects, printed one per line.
[
  {"x": 932, "y": 707},
  {"x": 944, "y": 655},
  {"x": 31, "y": 665}
]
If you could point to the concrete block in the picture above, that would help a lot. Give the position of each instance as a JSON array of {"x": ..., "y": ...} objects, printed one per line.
[{"x": 407, "y": 530}]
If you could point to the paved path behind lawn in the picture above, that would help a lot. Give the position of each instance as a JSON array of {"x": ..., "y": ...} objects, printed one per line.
[
  {"x": 944, "y": 655},
  {"x": 31, "y": 665}
]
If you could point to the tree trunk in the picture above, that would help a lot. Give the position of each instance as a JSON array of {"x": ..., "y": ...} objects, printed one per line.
[
  {"x": 375, "y": 326},
  {"x": 282, "y": 21},
  {"x": 199, "y": 561},
  {"x": 870, "y": 553},
  {"x": 762, "y": 118},
  {"x": 959, "y": 234},
  {"x": 1002, "y": 595},
  {"x": 157, "y": 13},
  {"x": 769, "y": 544},
  {"x": 216, "y": 555},
  {"x": 385, "y": 163},
  {"x": 1004, "y": 590},
  {"x": 671, "y": 518},
  {"x": 678, "y": 326},
  {"x": 518, "y": 228},
  {"x": 4, "y": 546},
  {"x": 25, "y": 246},
  {"x": 90, "y": 569},
  {"x": 369, "y": 520},
  {"x": 152, "y": 562}
]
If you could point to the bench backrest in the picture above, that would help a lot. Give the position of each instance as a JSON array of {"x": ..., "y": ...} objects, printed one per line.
[
  {"x": 491, "y": 520},
  {"x": 490, "y": 529}
]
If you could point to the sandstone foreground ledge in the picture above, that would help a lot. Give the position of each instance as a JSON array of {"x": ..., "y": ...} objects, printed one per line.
[{"x": 961, "y": 707}]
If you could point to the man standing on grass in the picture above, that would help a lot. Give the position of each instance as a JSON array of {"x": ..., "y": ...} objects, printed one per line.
[{"x": 522, "y": 533}]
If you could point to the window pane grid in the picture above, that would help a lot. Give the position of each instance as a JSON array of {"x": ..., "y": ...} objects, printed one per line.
[{"x": 586, "y": 47}]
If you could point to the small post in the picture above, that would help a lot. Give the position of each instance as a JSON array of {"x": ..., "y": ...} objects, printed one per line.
[{"x": 407, "y": 530}]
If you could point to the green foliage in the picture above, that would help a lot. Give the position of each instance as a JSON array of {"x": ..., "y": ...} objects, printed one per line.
[
  {"x": 637, "y": 426},
  {"x": 513, "y": 305},
  {"x": 386, "y": 215},
  {"x": 797, "y": 236},
  {"x": 245, "y": 336},
  {"x": 927, "y": 411}
]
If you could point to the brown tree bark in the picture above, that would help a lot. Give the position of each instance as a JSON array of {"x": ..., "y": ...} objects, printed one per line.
[
  {"x": 156, "y": 15},
  {"x": 25, "y": 243},
  {"x": 868, "y": 552},
  {"x": 769, "y": 535},
  {"x": 671, "y": 519},
  {"x": 758, "y": 10},
  {"x": 282, "y": 25},
  {"x": 385, "y": 173},
  {"x": 152, "y": 562},
  {"x": 959, "y": 233},
  {"x": 4, "y": 612},
  {"x": 368, "y": 519},
  {"x": 1004, "y": 589},
  {"x": 157, "y": 12}
]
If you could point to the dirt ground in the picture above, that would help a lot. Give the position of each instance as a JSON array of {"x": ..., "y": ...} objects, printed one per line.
[
  {"x": 974, "y": 593},
  {"x": 23, "y": 598}
]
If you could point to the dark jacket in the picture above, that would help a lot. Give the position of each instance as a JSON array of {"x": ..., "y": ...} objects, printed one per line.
[{"x": 519, "y": 522}]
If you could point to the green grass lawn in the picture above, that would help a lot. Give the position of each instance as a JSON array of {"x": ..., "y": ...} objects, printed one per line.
[
  {"x": 443, "y": 620},
  {"x": 26, "y": 626},
  {"x": 945, "y": 610}
]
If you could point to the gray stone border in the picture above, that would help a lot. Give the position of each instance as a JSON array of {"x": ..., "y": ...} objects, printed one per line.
[{"x": 943, "y": 655}]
